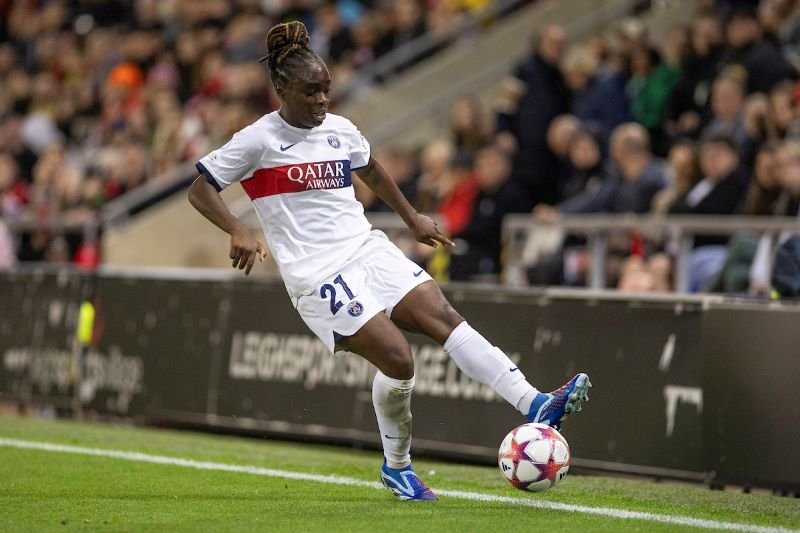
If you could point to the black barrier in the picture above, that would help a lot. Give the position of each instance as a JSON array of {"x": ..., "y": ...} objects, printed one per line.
[
  {"x": 157, "y": 342},
  {"x": 38, "y": 320},
  {"x": 683, "y": 387},
  {"x": 752, "y": 401}
]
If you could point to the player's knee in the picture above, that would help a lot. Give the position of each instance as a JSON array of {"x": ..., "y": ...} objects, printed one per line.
[{"x": 398, "y": 363}]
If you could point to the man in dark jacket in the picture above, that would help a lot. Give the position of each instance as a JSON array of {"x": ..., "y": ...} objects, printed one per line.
[
  {"x": 478, "y": 245},
  {"x": 688, "y": 105},
  {"x": 533, "y": 96},
  {"x": 722, "y": 188},
  {"x": 763, "y": 61}
]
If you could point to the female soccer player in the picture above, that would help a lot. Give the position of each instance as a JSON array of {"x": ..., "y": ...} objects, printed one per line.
[{"x": 352, "y": 287}]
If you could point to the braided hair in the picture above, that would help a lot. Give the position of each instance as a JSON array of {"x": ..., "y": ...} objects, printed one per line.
[{"x": 288, "y": 51}]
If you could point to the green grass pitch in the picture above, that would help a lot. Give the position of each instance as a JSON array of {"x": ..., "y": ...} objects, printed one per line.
[{"x": 60, "y": 491}]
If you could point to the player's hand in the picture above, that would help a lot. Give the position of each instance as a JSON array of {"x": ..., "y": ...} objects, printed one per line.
[
  {"x": 244, "y": 249},
  {"x": 426, "y": 231}
]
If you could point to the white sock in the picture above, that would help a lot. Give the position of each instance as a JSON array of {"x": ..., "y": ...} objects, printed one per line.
[
  {"x": 392, "y": 401},
  {"x": 489, "y": 365}
]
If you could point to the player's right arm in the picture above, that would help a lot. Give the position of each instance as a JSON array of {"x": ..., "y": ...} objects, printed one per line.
[{"x": 244, "y": 248}]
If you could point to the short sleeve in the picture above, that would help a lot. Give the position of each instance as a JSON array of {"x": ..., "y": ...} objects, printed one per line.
[
  {"x": 230, "y": 163},
  {"x": 359, "y": 148}
]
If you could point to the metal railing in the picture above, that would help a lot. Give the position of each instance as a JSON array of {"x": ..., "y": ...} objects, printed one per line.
[{"x": 597, "y": 229}]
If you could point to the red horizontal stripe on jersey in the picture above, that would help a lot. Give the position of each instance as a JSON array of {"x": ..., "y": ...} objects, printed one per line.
[{"x": 298, "y": 178}]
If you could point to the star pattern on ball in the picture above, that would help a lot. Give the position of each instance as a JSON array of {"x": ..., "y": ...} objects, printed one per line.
[
  {"x": 550, "y": 469},
  {"x": 516, "y": 453}
]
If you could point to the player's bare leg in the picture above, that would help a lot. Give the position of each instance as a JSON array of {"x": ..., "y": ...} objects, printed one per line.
[
  {"x": 426, "y": 310},
  {"x": 382, "y": 344}
]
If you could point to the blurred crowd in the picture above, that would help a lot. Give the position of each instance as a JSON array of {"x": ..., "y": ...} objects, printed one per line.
[
  {"x": 705, "y": 122},
  {"x": 99, "y": 97}
]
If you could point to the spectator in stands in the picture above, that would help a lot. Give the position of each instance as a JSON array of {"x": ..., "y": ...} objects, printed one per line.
[
  {"x": 637, "y": 176},
  {"x": 559, "y": 134},
  {"x": 760, "y": 58},
  {"x": 532, "y": 97},
  {"x": 365, "y": 41},
  {"x": 648, "y": 268},
  {"x": 688, "y": 104},
  {"x": 780, "y": 21},
  {"x": 599, "y": 97},
  {"x": 722, "y": 186},
  {"x": 761, "y": 198},
  {"x": 13, "y": 190},
  {"x": 400, "y": 166},
  {"x": 406, "y": 24},
  {"x": 727, "y": 106},
  {"x": 444, "y": 17},
  {"x": 682, "y": 174},
  {"x": 585, "y": 157},
  {"x": 458, "y": 201},
  {"x": 468, "y": 129},
  {"x": 719, "y": 192},
  {"x": 787, "y": 159},
  {"x": 764, "y": 190},
  {"x": 782, "y": 112},
  {"x": 559, "y": 137},
  {"x": 632, "y": 34},
  {"x": 787, "y": 175},
  {"x": 758, "y": 124},
  {"x": 331, "y": 39},
  {"x": 652, "y": 81},
  {"x": 643, "y": 61},
  {"x": 478, "y": 245},
  {"x": 435, "y": 177}
]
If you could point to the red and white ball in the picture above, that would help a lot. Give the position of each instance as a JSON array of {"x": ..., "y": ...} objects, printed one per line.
[{"x": 534, "y": 457}]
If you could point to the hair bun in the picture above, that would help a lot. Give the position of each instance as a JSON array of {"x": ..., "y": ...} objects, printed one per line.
[{"x": 285, "y": 37}]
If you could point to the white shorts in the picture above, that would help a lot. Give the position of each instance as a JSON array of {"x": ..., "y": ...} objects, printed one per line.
[{"x": 373, "y": 280}]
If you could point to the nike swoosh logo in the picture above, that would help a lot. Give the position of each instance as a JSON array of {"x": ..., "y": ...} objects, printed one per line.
[
  {"x": 284, "y": 148},
  {"x": 416, "y": 274},
  {"x": 406, "y": 487},
  {"x": 513, "y": 369},
  {"x": 388, "y": 437}
]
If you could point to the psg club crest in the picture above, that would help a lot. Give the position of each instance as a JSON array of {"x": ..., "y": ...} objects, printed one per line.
[
  {"x": 333, "y": 140},
  {"x": 354, "y": 308}
]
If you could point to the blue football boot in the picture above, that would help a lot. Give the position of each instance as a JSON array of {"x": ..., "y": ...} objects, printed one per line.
[
  {"x": 405, "y": 484},
  {"x": 553, "y": 407}
]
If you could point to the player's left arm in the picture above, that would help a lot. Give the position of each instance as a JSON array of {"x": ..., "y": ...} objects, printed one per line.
[{"x": 422, "y": 227}]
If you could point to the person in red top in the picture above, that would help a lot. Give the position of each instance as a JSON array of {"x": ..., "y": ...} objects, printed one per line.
[{"x": 457, "y": 206}]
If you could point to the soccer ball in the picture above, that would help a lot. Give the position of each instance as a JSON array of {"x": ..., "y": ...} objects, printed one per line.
[{"x": 534, "y": 457}]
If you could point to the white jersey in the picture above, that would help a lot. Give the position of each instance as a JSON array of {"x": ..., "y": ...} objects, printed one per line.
[{"x": 300, "y": 183}]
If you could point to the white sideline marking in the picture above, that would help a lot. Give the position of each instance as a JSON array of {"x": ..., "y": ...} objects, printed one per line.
[{"x": 339, "y": 480}]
